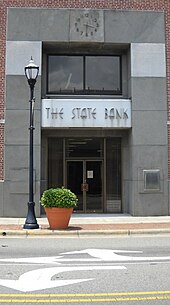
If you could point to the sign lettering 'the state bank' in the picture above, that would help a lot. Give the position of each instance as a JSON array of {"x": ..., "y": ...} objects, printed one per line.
[{"x": 86, "y": 113}]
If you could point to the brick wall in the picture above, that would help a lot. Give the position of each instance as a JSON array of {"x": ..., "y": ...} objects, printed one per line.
[{"x": 153, "y": 5}]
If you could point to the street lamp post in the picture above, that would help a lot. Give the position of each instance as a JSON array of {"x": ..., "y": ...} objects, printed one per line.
[{"x": 31, "y": 73}]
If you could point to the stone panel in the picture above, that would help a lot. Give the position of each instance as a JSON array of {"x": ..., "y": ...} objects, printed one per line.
[
  {"x": 17, "y": 124},
  {"x": 19, "y": 180},
  {"x": 126, "y": 163},
  {"x": 17, "y": 157},
  {"x": 148, "y": 60},
  {"x": 18, "y": 93},
  {"x": 149, "y": 127},
  {"x": 34, "y": 24},
  {"x": 125, "y": 196},
  {"x": 15, "y": 205},
  {"x": 149, "y": 157},
  {"x": 18, "y": 55},
  {"x": 131, "y": 26},
  {"x": 149, "y": 204},
  {"x": 149, "y": 93}
]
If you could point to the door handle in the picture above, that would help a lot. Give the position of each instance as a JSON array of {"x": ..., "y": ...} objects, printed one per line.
[{"x": 84, "y": 187}]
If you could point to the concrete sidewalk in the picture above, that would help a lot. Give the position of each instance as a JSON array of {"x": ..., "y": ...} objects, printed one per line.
[{"x": 88, "y": 224}]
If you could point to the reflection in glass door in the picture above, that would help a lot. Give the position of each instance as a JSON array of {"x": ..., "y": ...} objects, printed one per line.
[
  {"x": 85, "y": 179},
  {"x": 74, "y": 180}
]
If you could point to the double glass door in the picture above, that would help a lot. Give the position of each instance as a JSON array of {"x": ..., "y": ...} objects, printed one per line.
[
  {"x": 84, "y": 178},
  {"x": 91, "y": 168}
]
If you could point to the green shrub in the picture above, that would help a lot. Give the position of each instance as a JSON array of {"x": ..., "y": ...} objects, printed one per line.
[{"x": 59, "y": 198}]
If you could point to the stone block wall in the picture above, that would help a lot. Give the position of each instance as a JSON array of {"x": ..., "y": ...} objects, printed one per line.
[{"x": 142, "y": 78}]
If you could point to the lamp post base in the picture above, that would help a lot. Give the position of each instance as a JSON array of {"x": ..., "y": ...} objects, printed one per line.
[{"x": 31, "y": 222}]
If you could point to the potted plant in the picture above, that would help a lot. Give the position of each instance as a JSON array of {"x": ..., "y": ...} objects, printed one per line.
[{"x": 58, "y": 204}]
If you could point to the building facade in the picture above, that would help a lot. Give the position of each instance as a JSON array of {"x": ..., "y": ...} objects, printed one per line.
[{"x": 101, "y": 104}]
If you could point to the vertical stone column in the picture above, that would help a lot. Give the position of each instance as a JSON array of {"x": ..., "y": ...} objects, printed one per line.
[
  {"x": 149, "y": 131},
  {"x": 18, "y": 54}
]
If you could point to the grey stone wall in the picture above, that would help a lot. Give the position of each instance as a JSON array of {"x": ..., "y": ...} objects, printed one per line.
[{"x": 145, "y": 146}]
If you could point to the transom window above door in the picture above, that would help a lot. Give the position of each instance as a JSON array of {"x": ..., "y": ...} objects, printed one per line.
[{"x": 84, "y": 74}]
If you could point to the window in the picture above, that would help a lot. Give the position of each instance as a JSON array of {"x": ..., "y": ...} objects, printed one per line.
[{"x": 84, "y": 74}]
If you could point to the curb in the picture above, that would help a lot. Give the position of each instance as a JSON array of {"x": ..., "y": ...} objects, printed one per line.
[{"x": 78, "y": 233}]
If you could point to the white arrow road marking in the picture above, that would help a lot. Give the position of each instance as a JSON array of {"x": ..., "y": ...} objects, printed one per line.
[
  {"x": 41, "y": 278},
  {"x": 33, "y": 260},
  {"x": 47, "y": 260},
  {"x": 103, "y": 254},
  {"x": 97, "y": 254},
  {"x": 110, "y": 255}
]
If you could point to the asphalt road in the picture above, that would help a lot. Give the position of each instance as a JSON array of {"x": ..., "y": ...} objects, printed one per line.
[{"x": 132, "y": 270}]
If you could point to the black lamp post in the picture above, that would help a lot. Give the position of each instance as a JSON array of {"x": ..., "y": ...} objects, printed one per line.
[{"x": 31, "y": 73}]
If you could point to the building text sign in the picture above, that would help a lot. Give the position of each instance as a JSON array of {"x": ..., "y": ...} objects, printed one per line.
[{"x": 104, "y": 113}]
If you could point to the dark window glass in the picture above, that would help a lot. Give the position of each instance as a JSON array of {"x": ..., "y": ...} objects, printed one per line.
[
  {"x": 85, "y": 147},
  {"x": 83, "y": 74},
  {"x": 65, "y": 73},
  {"x": 113, "y": 170},
  {"x": 55, "y": 162},
  {"x": 102, "y": 73}
]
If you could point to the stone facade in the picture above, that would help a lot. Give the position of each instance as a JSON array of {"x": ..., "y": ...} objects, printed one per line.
[{"x": 142, "y": 31}]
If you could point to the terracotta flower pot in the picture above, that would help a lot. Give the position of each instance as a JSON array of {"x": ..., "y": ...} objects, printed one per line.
[{"x": 58, "y": 218}]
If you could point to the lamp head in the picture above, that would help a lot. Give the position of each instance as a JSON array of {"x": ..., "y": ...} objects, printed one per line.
[{"x": 31, "y": 72}]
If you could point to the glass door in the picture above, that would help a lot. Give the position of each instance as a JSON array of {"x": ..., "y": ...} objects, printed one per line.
[
  {"x": 84, "y": 178},
  {"x": 74, "y": 181},
  {"x": 94, "y": 202}
]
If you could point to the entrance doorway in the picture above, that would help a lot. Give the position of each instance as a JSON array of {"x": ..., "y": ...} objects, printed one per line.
[
  {"x": 91, "y": 168},
  {"x": 84, "y": 178}
]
